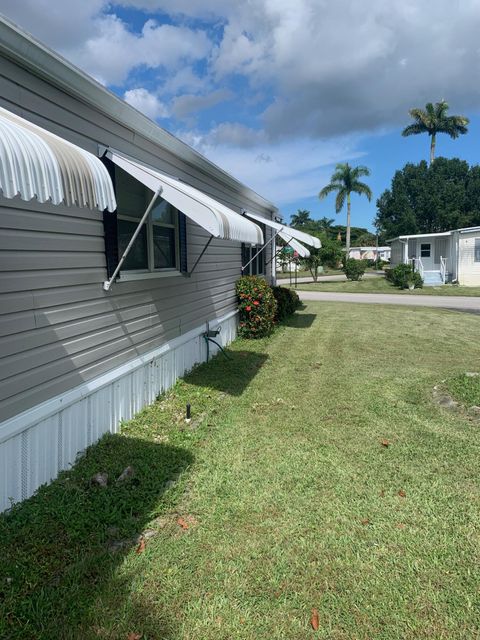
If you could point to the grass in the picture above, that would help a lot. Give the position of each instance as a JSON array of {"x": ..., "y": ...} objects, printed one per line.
[
  {"x": 307, "y": 274},
  {"x": 465, "y": 389},
  {"x": 287, "y": 497},
  {"x": 381, "y": 285}
]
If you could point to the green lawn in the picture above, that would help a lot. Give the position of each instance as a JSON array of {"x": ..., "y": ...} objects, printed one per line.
[
  {"x": 381, "y": 285},
  {"x": 306, "y": 274},
  {"x": 278, "y": 498}
]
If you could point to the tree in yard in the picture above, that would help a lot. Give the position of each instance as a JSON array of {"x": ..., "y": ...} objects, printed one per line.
[
  {"x": 345, "y": 181},
  {"x": 325, "y": 224},
  {"x": 434, "y": 119},
  {"x": 301, "y": 218},
  {"x": 430, "y": 199}
]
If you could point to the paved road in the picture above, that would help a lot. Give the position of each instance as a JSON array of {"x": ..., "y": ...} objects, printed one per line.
[
  {"x": 460, "y": 303},
  {"x": 338, "y": 278}
]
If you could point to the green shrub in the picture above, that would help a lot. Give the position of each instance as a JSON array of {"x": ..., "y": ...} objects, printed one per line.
[
  {"x": 257, "y": 307},
  {"x": 354, "y": 269},
  {"x": 287, "y": 302},
  {"x": 402, "y": 275}
]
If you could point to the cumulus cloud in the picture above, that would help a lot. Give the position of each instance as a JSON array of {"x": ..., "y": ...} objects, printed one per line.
[{"x": 146, "y": 102}]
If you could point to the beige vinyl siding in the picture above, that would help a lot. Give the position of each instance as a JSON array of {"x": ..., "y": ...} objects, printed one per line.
[
  {"x": 468, "y": 269},
  {"x": 58, "y": 328}
]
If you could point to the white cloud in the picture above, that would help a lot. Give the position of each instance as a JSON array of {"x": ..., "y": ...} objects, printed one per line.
[
  {"x": 115, "y": 51},
  {"x": 146, "y": 102}
]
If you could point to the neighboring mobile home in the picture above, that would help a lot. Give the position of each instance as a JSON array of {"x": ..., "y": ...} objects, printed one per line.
[
  {"x": 370, "y": 253},
  {"x": 87, "y": 340},
  {"x": 450, "y": 256}
]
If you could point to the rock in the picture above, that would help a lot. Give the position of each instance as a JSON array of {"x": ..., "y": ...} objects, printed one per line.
[
  {"x": 472, "y": 374},
  {"x": 447, "y": 402},
  {"x": 99, "y": 480},
  {"x": 126, "y": 474},
  {"x": 149, "y": 533},
  {"x": 475, "y": 409}
]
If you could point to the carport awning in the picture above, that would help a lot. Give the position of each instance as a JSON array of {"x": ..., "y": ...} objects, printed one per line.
[
  {"x": 214, "y": 217},
  {"x": 35, "y": 163},
  {"x": 302, "y": 251},
  {"x": 312, "y": 241}
]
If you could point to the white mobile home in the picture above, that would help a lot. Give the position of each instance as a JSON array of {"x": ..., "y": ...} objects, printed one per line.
[
  {"x": 88, "y": 337},
  {"x": 370, "y": 253},
  {"x": 450, "y": 256}
]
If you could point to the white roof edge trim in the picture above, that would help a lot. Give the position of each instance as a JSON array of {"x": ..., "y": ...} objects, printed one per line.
[
  {"x": 293, "y": 233},
  {"x": 302, "y": 251},
  {"x": 35, "y": 163},
  {"x": 214, "y": 217}
]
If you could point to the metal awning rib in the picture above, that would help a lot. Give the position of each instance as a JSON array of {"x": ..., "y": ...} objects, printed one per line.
[
  {"x": 288, "y": 231},
  {"x": 35, "y": 163},
  {"x": 302, "y": 251},
  {"x": 214, "y": 217}
]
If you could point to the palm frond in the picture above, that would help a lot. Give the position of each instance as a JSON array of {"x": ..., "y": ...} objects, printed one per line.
[
  {"x": 414, "y": 129},
  {"x": 333, "y": 186},
  {"x": 363, "y": 190},
  {"x": 421, "y": 117},
  {"x": 340, "y": 200},
  {"x": 358, "y": 172}
]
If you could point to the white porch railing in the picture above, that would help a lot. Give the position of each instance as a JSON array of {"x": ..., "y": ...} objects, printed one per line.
[
  {"x": 443, "y": 269},
  {"x": 418, "y": 266}
]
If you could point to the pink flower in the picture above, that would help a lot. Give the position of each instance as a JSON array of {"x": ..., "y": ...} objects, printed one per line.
[{"x": 248, "y": 308}]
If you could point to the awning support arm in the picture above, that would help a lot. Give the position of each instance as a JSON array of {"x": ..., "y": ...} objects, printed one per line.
[
  {"x": 108, "y": 283},
  {"x": 201, "y": 254},
  {"x": 278, "y": 252},
  {"x": 262, "y": 248}
]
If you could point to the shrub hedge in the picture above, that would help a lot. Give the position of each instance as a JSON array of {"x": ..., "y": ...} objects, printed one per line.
[
  {"x": 354, "y": 269},
  {"x": 257, "y": 307},
  {"x": 287, "y": 302},
  {"x": 401, "y": 275}
]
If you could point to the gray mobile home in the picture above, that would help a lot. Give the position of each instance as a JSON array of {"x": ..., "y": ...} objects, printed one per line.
[{"x": 84, "y": 343}]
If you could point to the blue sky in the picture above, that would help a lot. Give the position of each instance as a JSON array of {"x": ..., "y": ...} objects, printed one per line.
[{"x": 277, "y": 92}]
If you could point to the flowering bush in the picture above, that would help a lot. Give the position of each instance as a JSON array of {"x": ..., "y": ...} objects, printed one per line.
[{"x": 257, "y": 307}]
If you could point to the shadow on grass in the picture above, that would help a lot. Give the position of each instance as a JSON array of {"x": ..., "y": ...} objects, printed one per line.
[
  {"x": 300, "y": 320},
  {"x": 56, "y": 548},
  {"x": 230, "y": 375}
]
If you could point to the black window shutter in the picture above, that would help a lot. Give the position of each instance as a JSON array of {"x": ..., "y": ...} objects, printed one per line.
[
  {"x": 110, "y": 231},
  {"x": 110, "y": 228},
  {"x": 182, "y": 237},
  {"x": 245, "y": 258}
]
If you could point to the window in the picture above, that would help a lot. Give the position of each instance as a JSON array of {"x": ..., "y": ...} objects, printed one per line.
[
  {"x": 477, "y": 250},
  {"x": 156, "y": 246},
  {"x": 257, "y": 266},
  {"x": 425, "y": 250}
]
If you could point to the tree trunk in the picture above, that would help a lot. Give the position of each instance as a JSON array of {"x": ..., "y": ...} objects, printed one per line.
[
  {"x": 348, "y": 225},
  {"x": 432, "y": 148}
]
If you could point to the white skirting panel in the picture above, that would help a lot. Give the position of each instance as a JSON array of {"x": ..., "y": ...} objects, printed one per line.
[{"x": 39, "y": 443}]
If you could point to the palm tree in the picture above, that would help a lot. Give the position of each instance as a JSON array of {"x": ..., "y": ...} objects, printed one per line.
[
  {"x": 433, "y": 120},
  {"x": 325, "y": 224},
  {"x": 345, "y": 181},
  {"x": 300, "y": 218}
]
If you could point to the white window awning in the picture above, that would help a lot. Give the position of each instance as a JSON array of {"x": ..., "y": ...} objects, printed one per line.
[
  {"x": 35, "y": 163},
  {"x": 214, "y": 217},
  {"x": 312, "y": 241},
  {"x": 302, "y": 251}
]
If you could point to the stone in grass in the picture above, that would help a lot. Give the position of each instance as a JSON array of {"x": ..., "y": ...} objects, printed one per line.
[
  {"x": 447, "y": 402},
  {"x": 472, "y": 374},
  {"x": 99, "y": 480},
  {"x": 126, "y": 474}
]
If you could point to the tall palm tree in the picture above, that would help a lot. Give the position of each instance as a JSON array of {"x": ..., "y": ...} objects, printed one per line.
[
  {"x": 300, "y": 218},
  {"x": 433, "y": 120},
  {"x": 325, "y": 224},
  {"x": 345, "y": 181}
]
